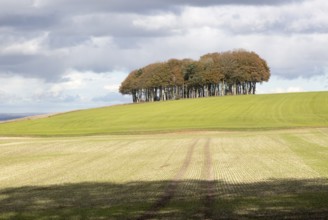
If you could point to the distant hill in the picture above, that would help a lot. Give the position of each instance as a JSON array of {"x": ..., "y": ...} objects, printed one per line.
[
  {"x": 11, "y": 116},
  {"x": 257, "y": 112}
]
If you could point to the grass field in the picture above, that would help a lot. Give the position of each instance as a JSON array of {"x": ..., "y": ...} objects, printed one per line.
[
  {"x": 218, "y": 113},
  {"x": 190, "y": 175}
]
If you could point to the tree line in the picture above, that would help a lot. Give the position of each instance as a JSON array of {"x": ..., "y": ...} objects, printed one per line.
[{"x": 214, "y": 74}]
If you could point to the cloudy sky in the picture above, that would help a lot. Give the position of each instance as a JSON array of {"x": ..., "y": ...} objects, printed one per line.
[{"x": 59, "y": 55}]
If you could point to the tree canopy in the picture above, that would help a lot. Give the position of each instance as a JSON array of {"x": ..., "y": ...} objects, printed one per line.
[{"x": 214, "y": 74}]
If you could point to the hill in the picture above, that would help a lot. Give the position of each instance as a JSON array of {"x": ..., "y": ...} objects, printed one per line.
[
  {"x": 257, "y": 112},
  {"x": 13, "y": 116}
]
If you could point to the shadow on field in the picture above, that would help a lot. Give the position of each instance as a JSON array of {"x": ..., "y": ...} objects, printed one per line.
[{"x": 189, "y": 199}]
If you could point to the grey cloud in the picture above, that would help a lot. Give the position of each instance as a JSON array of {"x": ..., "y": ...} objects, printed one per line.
[
  {"x": 49, "y": 68},
  {"x": 143, "y": 6},
  {"x": 103, "y": 24},
  {"x": 101, "y": 17},
  {"x": 26, "y": 21},
  {"x": 56, "y": 98},
  {"x": 294, "y": 72},
  {"x": 59, "y": 41}
]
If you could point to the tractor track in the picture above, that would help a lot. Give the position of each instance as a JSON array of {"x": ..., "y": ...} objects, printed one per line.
[
  {"x": 207, "y": 185},
  {"x": 171, "y": 187}
]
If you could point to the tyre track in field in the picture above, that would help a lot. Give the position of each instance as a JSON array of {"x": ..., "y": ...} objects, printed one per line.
[
  {"x": 171, "y": 187},
  {"x": 208, "y": 186}
]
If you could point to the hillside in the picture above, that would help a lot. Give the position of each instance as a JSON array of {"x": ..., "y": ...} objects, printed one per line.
[{"x": 217, "y": 113}]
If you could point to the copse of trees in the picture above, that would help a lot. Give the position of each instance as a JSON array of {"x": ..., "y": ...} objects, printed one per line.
[{"x": 214, "y": 74}]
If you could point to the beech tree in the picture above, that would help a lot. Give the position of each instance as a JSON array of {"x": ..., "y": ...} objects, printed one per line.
[{"x": 214, "y": 74}]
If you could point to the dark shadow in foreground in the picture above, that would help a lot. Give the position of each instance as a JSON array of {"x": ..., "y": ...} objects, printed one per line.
[{"x": 188, "y": 199}]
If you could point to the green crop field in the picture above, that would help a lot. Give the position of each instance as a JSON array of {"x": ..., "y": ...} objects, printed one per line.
[
  {"x": 241, "y": 157},
  {"x": 218, "y": 113}
]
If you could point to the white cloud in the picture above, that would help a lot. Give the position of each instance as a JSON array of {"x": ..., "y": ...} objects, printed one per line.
[
  {"x": 295, "y": 89},
  {"x": 112, "y": 87},
  {"x": 101, "y": 41},
  {"x": 300, "y": 84},
  {"x": 25, "y": 46},
  {"x": 76, "y": 88},
  {"x": 156, "y": 22},
  {"x": 287, "y": 90}
]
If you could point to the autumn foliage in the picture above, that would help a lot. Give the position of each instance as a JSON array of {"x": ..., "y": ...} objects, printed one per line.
[{"x": 214, "y": 74}]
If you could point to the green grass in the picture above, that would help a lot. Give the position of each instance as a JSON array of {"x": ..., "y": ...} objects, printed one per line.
[
  {"x": 279, "y": 174},
  {"x": 257, "y": 112}
]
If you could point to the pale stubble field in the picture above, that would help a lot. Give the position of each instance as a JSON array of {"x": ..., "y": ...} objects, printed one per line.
[{"x": 194, "y": 175}]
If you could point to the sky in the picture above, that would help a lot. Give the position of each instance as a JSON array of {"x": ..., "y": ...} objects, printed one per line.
[{"x": 62, "y": 55}]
